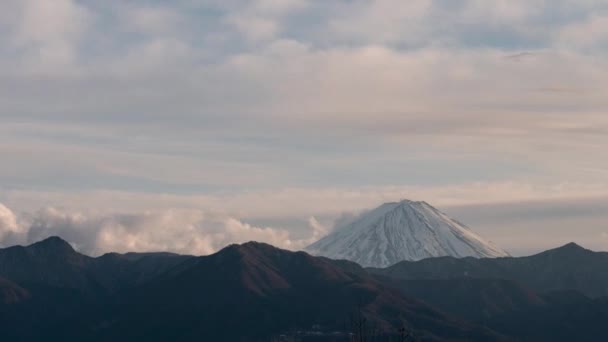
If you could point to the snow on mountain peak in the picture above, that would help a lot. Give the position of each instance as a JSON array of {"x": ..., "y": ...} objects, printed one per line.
[{"x": 405, "y": 230}]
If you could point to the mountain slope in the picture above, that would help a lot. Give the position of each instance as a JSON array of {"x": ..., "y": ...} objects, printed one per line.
[
  {"x": 51, "y": 262},
  {"x": 49, "y": 282},
  {"x": 512, "y": 309},
  {"x": 249, "y": 292},
  {"x": 475, "y": 299},
  {"x": 11, "y": 293},
  {"x": 570, "y": 267},
  {"x": 54, "y": 263},
  {"x": 567, "y": 316},
  {"x": 400, "y": 231}
]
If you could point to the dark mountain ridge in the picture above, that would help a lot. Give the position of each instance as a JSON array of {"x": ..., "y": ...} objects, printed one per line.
[
  {"x": 253, "y": 290},
  {"x": 53, "y": 262},
  {"x": 570, "y": 267},
  {"x": 475, "y": 299},
  {"x": 244, "y": 292},
  {"x": 556, "y": 295},
  {"x": 250, "y": 292}
]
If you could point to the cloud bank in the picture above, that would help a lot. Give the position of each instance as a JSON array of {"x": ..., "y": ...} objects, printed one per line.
[{"x": 180, "y": 231}]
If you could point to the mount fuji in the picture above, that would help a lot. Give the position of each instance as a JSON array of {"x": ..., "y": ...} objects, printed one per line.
[{"x": 399, "y": 231}]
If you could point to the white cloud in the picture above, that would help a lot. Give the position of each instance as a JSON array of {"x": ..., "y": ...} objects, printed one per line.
[
  {"x": 262, "y": 20},
  {"x": 278, "y": 7},
  {"x": 153, "y": 20},
  {"x": 591, "y": 33},
  {"x": 318, "y": 229},
  {"x": 255, "y": 28},
  {"x": 185, "y": 231},
  {"x": 383, "y": 21},
  {"x": 8, "y": 224},
  {"x": 50, "y": 30}
]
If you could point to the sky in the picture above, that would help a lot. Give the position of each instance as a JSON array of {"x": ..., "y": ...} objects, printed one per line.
[{"x": 188, "y": 125}]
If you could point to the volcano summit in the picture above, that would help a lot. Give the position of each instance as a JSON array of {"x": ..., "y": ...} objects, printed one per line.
[{"x": 405, "y": 230}]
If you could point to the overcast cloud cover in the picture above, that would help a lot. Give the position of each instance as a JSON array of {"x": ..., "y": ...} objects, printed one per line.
[{"x": 190, "y": 124}]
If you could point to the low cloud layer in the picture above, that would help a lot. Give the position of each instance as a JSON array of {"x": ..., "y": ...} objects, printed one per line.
[
  {"x": 180, "y": 231},
  {"x": 523, "y": 227}
]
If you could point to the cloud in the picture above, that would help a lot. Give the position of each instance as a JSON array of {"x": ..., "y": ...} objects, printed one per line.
[
  {"x": 304, "y": 202},
  {"x": 527, "y": 227},
  {"x": 185, "y": 231},
  {"x": 385, "y": 21},
  {"x": 8, "y": 224},
  {"x": 255, "y": 28},
  {"x": 589, "y": 34},
  {"x": 524, "y": 226},
  {"x": 153, "y": 20},
  {"x": 50, "y": 31},
  {"x": 318, "y": 230},
  {"x": 262, "y": 20},
  {"x": 278, "y": 7},
  {"x": 344, "y": 110}
]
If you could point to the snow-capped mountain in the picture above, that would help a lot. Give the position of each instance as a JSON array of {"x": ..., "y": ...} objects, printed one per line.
[{"x": 405, "y": 230}]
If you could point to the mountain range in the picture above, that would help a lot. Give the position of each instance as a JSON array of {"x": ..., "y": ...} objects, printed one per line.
[
  {"x": 570, "y": 267},
  {"x": 256, "y": 292},
  {"x": 244, "y": 292}
]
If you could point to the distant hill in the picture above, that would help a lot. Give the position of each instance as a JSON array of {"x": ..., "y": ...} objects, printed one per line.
[
  {"x": 474, "y": 299},
  {"x": 512, "y": 309},
  {"x": 54, "y": 263},
  {"x": 570, "y": 267},
  {"x": 557, "y": 295}
]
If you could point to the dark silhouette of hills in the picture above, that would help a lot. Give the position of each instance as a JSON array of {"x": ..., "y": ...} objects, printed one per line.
[
  {"x": 54, "y": 263},
  {"x": 249, "y": 292},
  {"x": 514, "y": 310},
  {"x": 556, "y": 295},
  {"x": 48, "y": 282},
  {"x": 245, "y": 292},
  {"x": 566, "y": 316},
  {"x": 570, "y": 267},
  {"x": 51, "y": 262},
  {"x": 474, "y": 299}
]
